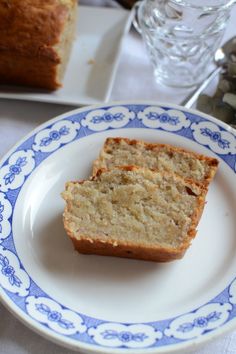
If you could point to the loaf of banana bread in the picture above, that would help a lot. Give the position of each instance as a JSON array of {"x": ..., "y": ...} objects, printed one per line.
[{"x": 35, "y": 41}]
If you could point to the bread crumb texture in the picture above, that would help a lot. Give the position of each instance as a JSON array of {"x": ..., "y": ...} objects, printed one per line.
[{"x": 134, "y": 206}]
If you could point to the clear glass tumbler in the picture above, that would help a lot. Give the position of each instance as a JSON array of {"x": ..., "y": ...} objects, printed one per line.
[{"x": 181, "y": 37}]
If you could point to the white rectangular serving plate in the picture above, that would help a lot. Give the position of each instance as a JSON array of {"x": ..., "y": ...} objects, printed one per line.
[{"x": 93, "y": 62}]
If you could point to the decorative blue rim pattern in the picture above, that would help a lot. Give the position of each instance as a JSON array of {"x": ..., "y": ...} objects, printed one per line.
[{"x": 17, "y": 284}]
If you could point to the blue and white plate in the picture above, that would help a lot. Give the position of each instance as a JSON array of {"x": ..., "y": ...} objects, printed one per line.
[{"x": 104, "y": 304}]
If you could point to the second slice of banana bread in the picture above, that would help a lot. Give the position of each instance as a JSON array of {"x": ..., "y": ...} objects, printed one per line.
[{"x": 161, "y": 157}]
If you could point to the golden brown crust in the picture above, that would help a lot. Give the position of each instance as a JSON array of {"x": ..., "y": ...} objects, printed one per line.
[
  {"x": 212, "y": 162},
  {"x": 26, "y": 74},
  {"x": 32, "y": 27},
  {"x": 84, "y": 244},
  {"x": 29, "y": 30}
]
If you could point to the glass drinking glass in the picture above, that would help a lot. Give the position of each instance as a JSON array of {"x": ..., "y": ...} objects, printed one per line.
[{"x": 181, "y": 37}]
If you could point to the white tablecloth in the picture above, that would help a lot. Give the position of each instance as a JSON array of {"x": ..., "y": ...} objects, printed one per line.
[{"x": 134, "y": 80}]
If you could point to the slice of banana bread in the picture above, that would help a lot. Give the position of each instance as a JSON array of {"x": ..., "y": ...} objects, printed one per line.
[
  {"x": 133, "y": 212},
  {"x": 161, "y": 157}
]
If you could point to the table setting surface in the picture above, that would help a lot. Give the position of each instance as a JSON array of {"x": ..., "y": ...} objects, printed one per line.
[{"x": 19, "y": 117}]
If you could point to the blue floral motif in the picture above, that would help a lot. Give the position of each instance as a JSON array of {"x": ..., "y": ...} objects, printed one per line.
[
  {"x": 15, "y": 170},
  {"x": 163, "y": 118},
  {"x": 107, "y": 118},
  {"x": 1, "y": 216},
  {"x": 9, "y": 271},
  {"x": 215, "y": 137},
  {"x": 124, "y": 336},
  {"x": 54, "y": 135},
  {"x": 54, "y": 316},
  {"x": 199, "y": 322}
]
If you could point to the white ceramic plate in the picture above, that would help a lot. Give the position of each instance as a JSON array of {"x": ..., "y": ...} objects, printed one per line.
[
  {"x": 104, "y": 304},
  {"x": 94, "y": 59}
]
